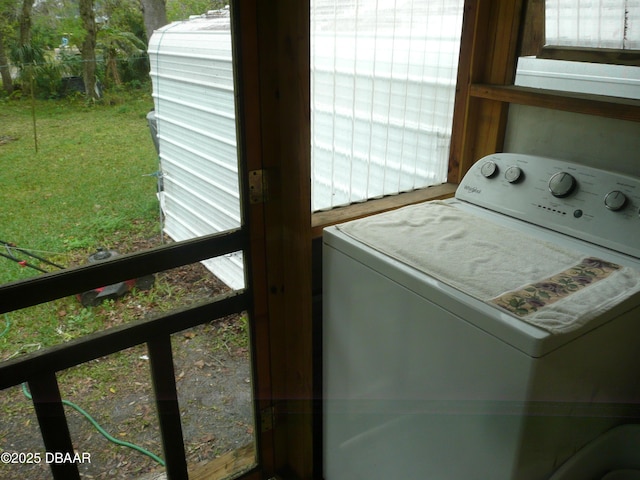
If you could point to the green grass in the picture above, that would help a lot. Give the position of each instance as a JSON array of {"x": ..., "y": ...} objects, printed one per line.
[{"x": 85, "y": 186}]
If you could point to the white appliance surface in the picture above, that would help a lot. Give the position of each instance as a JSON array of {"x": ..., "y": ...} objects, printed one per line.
[{"x": 424, "y": 380}]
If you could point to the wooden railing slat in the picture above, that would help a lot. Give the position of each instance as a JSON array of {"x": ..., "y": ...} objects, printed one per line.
[
  {"x": 166, "y": 395},
  {"x": 63, "y": 283},
  {"x": 53, "y": 425},
  {"x": 99, "y": 344}
]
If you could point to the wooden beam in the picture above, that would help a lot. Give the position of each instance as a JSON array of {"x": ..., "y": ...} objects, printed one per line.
[
  {"x": 283, "y": 76},
  {"x": 295, "y": 334},
  {"x": 488, "y": 54},
  {"x": 248, "y": 85},
  {"x": 611, "y": 56},
  {"x": 62, "y": 283},
  {"x": 462, "y": 106},
  {"x": 358, "y": 210},
  {"x": 590, "y": 104},
  {"x": 533, "y": 32},
  {"x": 99, "y": 344},
  {"x": 166, "y": 396}
]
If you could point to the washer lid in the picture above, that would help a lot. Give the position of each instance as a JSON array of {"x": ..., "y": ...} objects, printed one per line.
[{"x": 539, "y": 282}]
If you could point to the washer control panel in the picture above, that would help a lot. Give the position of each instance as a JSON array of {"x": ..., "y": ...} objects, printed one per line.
[{"x": 599, "y": 206}]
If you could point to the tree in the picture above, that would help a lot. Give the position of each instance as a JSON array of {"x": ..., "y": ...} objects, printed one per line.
[
  {"x": 25, "y": 22},
  {"x": 114, "y": 27},
  {"x": 5, "y": 72},
  {"x": 155, "y": 15},
  {"x": 31, "y": 60},
  {"x": 8, "y": 18},
  {"x": 88, "y": 48},
  {"x": 114, "y": 42}
]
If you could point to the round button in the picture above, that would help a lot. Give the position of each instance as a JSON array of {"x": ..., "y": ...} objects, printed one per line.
[
  {"x": 489, "y": 169},
  {"x": 615, "y": 200},
  {"x": 562, "y": 184},
  {"x": 513, "y": 174}
]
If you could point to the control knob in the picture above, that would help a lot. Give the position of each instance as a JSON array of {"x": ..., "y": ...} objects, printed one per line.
[
  {"x": 615, "y": 200},
  {"x": 513, "y": 174},
  {"x": 489, "y": 169},
  {"x": 562, "y": 184}
]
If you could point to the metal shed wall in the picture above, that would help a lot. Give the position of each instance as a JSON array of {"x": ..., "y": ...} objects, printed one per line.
[{"x": 192, "y": 78}]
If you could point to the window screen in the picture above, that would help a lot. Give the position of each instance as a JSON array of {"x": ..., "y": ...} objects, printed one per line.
[
  {"x": 593, "y": 23},
  {"x": 383, "y": 76}
]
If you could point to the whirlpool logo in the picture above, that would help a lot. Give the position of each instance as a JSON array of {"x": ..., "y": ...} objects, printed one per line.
[{"x": 472, "y": 189}]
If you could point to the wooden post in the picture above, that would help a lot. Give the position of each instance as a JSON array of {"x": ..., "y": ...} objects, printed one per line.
[
  {"x": 533, "y": 34},
  {"x": 276, "y": 121},
  {"x": 488, "y": 54},
  {"x": 53, "y": 424}
]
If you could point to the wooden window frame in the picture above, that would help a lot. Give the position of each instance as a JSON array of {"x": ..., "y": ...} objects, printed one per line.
[
  {"x": 611, "y": 56},
  {"x": 534, "y": 38},
  {"x": 532, "y": 43}
]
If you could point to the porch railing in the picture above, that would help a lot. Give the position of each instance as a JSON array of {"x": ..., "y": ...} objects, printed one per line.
[{"x": 39, "y": 369}]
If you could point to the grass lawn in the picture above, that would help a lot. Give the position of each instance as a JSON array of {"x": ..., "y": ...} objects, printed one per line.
[{"x": 85, "y": 186}]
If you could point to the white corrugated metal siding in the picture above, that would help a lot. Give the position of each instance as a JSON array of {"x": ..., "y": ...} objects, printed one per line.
[
  {"x": 383, "y": 82},
  {"x": 593, "y": 23},
  {"x": 192, "y": 77}
]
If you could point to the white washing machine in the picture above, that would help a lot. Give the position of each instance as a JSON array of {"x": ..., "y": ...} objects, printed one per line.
[{"x": 490, "y": 336}]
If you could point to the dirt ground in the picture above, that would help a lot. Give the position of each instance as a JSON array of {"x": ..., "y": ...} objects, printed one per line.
[{"x": 213, "y": 375}]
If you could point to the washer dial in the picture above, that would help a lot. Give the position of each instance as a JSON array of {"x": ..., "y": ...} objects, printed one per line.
[
  {"x": 562, "y": 184},
  {"x": 615, "y": 200},
  {"x": 513, "y": 174},
  {"x": 489, "y": 169}
]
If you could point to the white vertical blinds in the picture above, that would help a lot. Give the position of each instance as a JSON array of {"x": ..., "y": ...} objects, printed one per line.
[
  {"x": 593, "y": 23},
  {"x": 383, "y": 78}
]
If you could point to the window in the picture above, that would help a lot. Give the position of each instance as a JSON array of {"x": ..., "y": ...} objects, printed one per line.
[
  {"x": 587, "y": 48},
  {"x": 383, "y": 79},
  {"x": 593, "y": 23}
]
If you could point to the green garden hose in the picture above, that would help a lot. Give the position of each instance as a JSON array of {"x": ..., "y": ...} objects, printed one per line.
[
  {"x": 97, "y": 426},
  {"x": 102, "y": 431},
  {"x": 7, "y": 324}
]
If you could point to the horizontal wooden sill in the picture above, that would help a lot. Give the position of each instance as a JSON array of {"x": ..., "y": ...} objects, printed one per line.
[
  {"x": 589, "y": 104},
  {"x": 320, "y": 220},
  {"x": 611, "y": 56}
]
